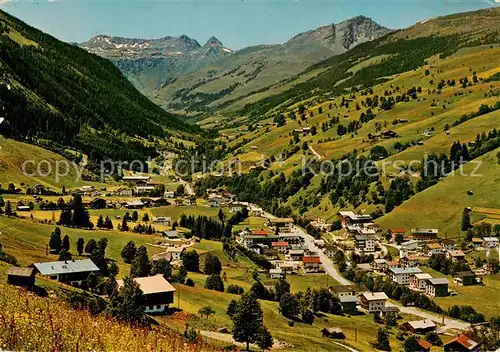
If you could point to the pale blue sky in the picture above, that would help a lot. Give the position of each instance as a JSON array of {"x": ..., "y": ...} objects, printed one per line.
[{"x": 236, "y": 23}]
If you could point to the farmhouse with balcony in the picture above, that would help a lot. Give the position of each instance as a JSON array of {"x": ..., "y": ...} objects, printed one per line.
[
  {"x": 159, "y": 293},
  {"x": 373, "y": 301},
  {"x": 71, "y": 272}
]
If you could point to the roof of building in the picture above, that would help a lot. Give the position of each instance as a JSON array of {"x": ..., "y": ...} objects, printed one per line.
[
  {"x": 170, "y": 234},
  {"x": 476, "y": 240},
  {"x": 281, "y": 221},
  {"x": 260, "y": 232},
  {"x": 398, "y": 271},
  {"x": 433, "y": 245},
  {"x": 66, "y": 267},
  {"x": 311, "y": 260},
  {"x": 279, "y": 244},
  {"x": 162, "y": 255},
  {"x": 275, "y": 271},
  {"x": 399, "y": 230},
  {"x": 151, "y": 284},
  {"x": 365, "y": 237},
  {"x": 456, "y": 253},
  {"x": 490, "y": 239},
  {"x": 464, "y": 340},
  {"x": 348, "y": 299},
  {"x": 421, "y": 324},
  {"x": 393, "y": 263},
  {"x": 335, "y": 330},
  {"x": 423, "y": 276},
  {"x": 175, "y": 249},
  {"x": 380, "y": 261},
  {"x": 133, "y": 178},
  {"x": 426, "y": 345},
  {"x": 162, "y": 218},
  {"x": 374, "y": 296},
  {"x": 389, "y": 309},
  {"x": 352, "y": 216},
  {"x": 17, "y": 271},
  {"x": 464, "y": 273},
  {"x": 438, "y": 281},
  {"x": 410, "y": 242},
  {"x": 349, "y": 288},
  {"x": 295, "y": 251},
  {"x": 425, "y": 231},
  {"x": 135, "y": 203}
]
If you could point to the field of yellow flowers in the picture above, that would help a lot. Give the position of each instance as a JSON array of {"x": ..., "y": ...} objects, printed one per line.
[{"x": 29, "y": 322}]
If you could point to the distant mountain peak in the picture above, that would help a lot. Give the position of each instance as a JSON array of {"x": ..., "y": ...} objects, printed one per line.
[
  {"x": 213, "y": 41},
  {"x": 344, "y": 35}
]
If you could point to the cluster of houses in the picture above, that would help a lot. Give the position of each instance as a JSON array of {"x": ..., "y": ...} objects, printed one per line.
[
  {"x": 135, "y": 186},
  {"x": 284, "y": 247},
  {"x": 405, "y": 271},
  {"x": 423, "y": 243},
  {"x": 159, "y": 293},
  {"x": 361, "y": 229}
]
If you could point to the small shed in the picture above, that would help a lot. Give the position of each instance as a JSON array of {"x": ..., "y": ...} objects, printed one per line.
[
  {"x": 334, "y": 333},
  {"x": 24, "y": 277}
]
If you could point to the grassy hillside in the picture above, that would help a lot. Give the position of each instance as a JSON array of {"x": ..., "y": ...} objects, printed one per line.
[
  {"x": 441, "y": 206},
  {"x": 28, "y": 322},
  {"x": 56, "y": 92},
  {"x": 25, "y": 163}
]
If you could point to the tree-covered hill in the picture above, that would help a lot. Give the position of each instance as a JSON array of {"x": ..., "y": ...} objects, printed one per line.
[{"x": 57, "y": 94}]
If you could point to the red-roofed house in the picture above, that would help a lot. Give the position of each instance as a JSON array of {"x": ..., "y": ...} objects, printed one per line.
[
  {"x": 424, "y": 345},
  {"x": 281, "y": 247},
  {"x": 260, "y": 232},
  {"x": 311, "y": 264},
  {"x": 462, "y": 343}
]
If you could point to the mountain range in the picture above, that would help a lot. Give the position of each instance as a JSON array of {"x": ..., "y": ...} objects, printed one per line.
[
  {"x": 183, "y": 76},
  {"x": 150, "y": 63}
]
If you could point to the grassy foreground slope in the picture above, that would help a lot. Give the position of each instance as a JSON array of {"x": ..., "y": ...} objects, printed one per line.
[
  {"x": 28, "y": 322},
  {"x": 302, "y": 336},
  {"x": 441, "y": 205}
]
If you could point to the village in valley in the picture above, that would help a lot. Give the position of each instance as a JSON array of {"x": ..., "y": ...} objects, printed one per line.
[{"x": 412, "y": 279}]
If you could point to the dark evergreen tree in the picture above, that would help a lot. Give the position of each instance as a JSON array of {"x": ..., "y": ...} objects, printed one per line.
[
  {"x": 80, "y": 245},
  {"x": 98, "y": 259},
  {"x": 128, "y": 304},
  {"x": 162, "y": 267},
  {"x": 65, "y": 243},
  {"x": 64, "y": 255},
  {"x": 214, "y": 282},
  {"x": 247, "y": 320},
  {"x": 141, "y": 266},
  {"x": 191, "y": 261},
  {"x": 100, "y": 222},
  {"x": 55, "y": 241},
  {"x": 108, "y": 224},
  {"x": 90, "y": 246},
  {"x": 212, "y": 264},
  {"x": 102, "y": 245},
  {"x": 129, "y": 252}
]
